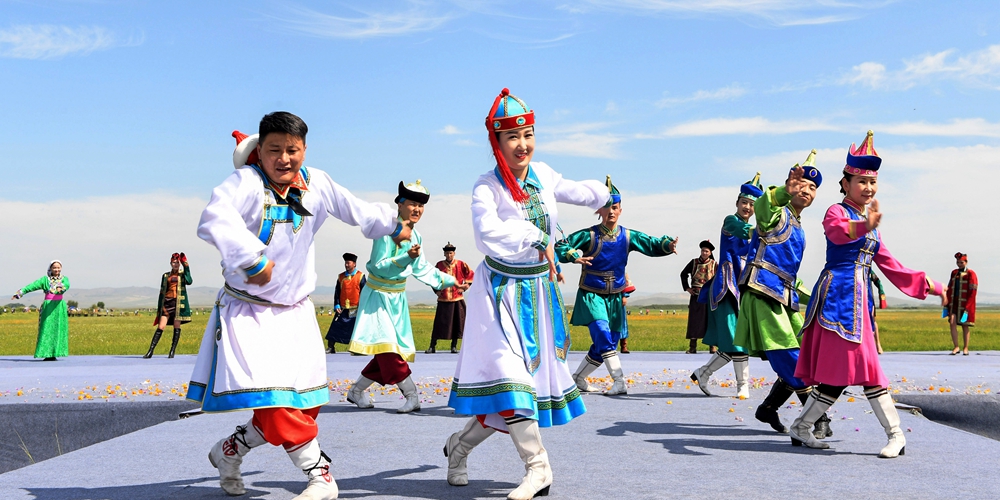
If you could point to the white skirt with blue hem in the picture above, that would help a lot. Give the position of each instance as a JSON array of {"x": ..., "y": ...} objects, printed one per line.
[
  {"x": 514, "y": 349},
  {"x": 260, "y": 356}
]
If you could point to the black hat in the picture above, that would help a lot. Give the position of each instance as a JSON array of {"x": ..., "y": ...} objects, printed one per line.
[
  {"x": 707, "y": 244},
  {"x": 414, "y": 192},
  {"x": 350, "y": 257},
  {"x": 449, "y": 247}
]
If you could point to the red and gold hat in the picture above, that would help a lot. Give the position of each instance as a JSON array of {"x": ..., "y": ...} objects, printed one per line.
[
  {"x": 863, "y": 160},
  {"x": 508, "y": 113}
]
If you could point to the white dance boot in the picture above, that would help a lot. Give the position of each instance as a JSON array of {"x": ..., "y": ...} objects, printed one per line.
[
  {"x": 615, "y": 369},
  {"x": 801, "y": 430},
  {"x": 885, "y": 410},
  {"x": 741, "y": 367},
  {"x": 538, "y": 474},
  {"x": 587, "y": 367},
  {"x": 459, "y": 445},
  {"x": 409, "y": 390},
  {"x": 703, "y": 374},
  {"x": 357, "y": 394},
  {"x": 316, "y": 465},
  {"x": 227, "y": 455}
]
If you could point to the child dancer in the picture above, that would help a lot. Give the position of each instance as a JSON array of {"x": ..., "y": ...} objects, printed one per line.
[
  {"x": 383, "y": 324},
  {"x": 838, "y": 346}
]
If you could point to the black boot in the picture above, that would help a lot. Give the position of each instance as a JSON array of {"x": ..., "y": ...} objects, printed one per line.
[
  {"x": 454, "y": 346},
  {"x": 821, "y": 429},
  {"x": 152, "y": 345},
  {"x": 431, "y": 349},
  {"x": 767, "y": 412},
  {"x": 693, "y": 346},
  {"x": 173, "y": 345}
]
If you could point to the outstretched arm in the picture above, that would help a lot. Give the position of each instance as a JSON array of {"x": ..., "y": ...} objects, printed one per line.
[
  {"x": 735, "y": 226},
  {"x": 767, "y": 209},
  {"x": 38, "y": 284},
  {"x": 650, "y": 246},
  {"x": 375, "y": 219},
  {"x": 916, "y": 284}
]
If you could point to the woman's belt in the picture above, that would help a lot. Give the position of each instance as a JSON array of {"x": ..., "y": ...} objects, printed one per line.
[
  {"x": 518, "y": 271},
  {"x": 53, "y": 296},
  {"x": 386, "y": 285}
]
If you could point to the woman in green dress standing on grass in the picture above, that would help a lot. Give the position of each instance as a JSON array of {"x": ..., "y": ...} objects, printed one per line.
[{"x": 53, "y": 319}]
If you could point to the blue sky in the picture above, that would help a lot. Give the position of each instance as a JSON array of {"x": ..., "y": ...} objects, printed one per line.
[{"x": 130, "y": 105}]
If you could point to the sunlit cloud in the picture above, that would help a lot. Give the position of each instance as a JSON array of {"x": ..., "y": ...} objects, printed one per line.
[
  {"x": 723, "y": 94},
  {"x": 979, "y": 68},
  {"x": 772, "y": 12},
  {"x": 363, "y": 24},
  {"x": 45, "y": 41}
]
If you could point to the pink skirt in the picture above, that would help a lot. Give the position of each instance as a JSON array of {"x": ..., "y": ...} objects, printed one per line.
[{"x": 826, "y": 358}]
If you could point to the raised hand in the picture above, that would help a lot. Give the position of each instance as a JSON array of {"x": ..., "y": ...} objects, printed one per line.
[
  {"x": 672, "y": 246},
  {"x": 874, "y": 216},
  {"x": 794, "y": 184}
]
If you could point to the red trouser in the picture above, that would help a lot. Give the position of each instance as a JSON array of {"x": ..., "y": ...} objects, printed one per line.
[
  {"x": 286, "y": 427},
  {"x": 387, "y": 368}
]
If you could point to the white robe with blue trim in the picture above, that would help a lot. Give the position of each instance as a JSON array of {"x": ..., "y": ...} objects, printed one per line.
[{"x": 265, "y": 350}]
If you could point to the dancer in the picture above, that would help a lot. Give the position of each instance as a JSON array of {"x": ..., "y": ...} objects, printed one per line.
[
  {"x": 602, "y": 252},
  {"x": 769, "y": 318},
  {"x": 345, "y": 303},
  {"x": 699, "y": 271},
  {"x": 172, "y": 307},
  {"x": 511, "y": 372},
  {"x": 53, "y": 315},
  {"x": 722, "y": 294},
  {"x": 383, "y": 326},
  {"x": 449, "y": 319},
  {"x": 838, "y": 348},
  {"x": 262, "y": 348},
  {"x": 961, "y": 302}
]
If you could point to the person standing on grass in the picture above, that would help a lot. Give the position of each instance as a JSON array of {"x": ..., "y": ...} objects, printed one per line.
[
  {"x": 449, "y": 318},
  {"x": 769, "y": 319},
  {"x": 383, "y": 326},
  {"x": 699, "y": 271},
  {"x": 838, "y": 345},
  {"x": 262, "y": 348},
  {"x": 345, "y": 303},
  {"x": 602, "y": 252},
  {"x": 511, "y": 374},
  {"x": 722, "y": 294},
  {"x": 53, "y": 316},
  {"x": 172, "y": 306},
  {"x": 961, "y": 301}
]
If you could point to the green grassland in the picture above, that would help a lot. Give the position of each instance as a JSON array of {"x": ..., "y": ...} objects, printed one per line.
[{"x": 901, "y": 330}]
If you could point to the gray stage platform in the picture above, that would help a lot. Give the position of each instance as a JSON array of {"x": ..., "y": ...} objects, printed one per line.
[{"x": 665, "y": 439}]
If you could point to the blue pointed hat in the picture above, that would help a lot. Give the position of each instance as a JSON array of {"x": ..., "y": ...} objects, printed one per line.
[
  {"x": 864, "y": 160},
  {"x": 616, "y": 196},
  {"x": 752, "y": 188},
  {"x": 811, "y": 172}
]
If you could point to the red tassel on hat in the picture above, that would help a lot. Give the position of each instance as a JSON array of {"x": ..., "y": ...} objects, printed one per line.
[{"x": 516, "y": 191}]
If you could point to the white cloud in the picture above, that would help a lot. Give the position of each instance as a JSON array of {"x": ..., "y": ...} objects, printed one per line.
[
  {"x": 450, "y": 130},
  {"x": 580, "y": 139},
  {"x": 365, "y": 25},
  {"x": 959, "y": 127},
  {"x": 750, "y": 126},
  {"x": 773, "y": 12},
  {"x": 48, "y": 41},
  {"x": 979, "y": 68},
  {"x": 723, "y": 94},
  {"x": 932, "y": 210}
]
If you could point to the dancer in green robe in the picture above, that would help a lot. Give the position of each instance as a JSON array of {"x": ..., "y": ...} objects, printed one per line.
[{"x": 53, "y": 318}]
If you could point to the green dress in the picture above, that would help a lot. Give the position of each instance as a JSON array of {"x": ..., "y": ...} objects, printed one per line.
[
  {"x": 764, "y": 324},
  {"x": 53, "y": 318},
  {"x": 183, "y": 306}
]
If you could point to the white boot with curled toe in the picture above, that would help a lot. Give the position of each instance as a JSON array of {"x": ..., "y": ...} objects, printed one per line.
[
  {"x": 316, "y": 465},
  {"x": 227, "y": 455},
  {"x": 458, "y": 447},
  {"x": 538, "y": 474}
]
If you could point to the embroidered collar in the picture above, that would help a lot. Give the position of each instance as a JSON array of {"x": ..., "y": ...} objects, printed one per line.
[
  {"x": 352, "y": 273},
  {"x": 608, "y": 232},
  {"x": 530, "y": 180},
  {"x": 281, "y": 190},
  {"x": 860, "y": 210}
]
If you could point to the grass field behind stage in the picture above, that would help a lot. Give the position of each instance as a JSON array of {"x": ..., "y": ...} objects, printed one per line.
[{"x": 901, "y": 330}]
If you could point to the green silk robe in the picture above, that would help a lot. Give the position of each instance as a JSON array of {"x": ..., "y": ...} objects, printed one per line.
[{"x": 53, "y": 320}]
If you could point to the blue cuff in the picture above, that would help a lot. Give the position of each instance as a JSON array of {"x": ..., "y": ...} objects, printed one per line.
[
  {"x": 258, "y": 266},
  {"x": 399, "y": 229}
]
